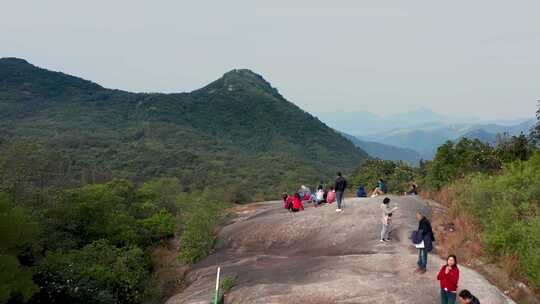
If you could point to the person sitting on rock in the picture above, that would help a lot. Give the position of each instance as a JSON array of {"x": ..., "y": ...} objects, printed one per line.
[
  {"x": 466, "y": 297},
  {"x": 380, "y": 189},
  {"x": 361, "y": 192},
  {"x": 287, "y": 200},
  {"x": 448, "y": 278},
  {"x": 386, "y": 219},
  {"x": 331, "y": 196},
  {"x": 297, "y": 203},
  {"x": 319, "y": 197},
  {"x": 304, "y": 192},
  {"x": 412, "y": 190}
]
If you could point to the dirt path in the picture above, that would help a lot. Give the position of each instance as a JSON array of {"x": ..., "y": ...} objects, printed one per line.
[{"x": 320, "y": 256}]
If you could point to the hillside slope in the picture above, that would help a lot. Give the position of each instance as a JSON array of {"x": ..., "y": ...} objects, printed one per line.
[{"x": 237, "y": 132}]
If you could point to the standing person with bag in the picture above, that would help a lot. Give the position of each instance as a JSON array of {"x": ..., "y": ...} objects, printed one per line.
[
  {"x": 426, "y": 245},
  {"x": 340, "y": 187},
  {"x": 448, "y": 277}
]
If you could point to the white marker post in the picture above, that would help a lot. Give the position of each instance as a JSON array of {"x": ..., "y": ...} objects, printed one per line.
[{"x": 217, "y": 287}]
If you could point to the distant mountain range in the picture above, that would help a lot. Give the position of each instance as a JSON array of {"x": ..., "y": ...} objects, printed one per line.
[
  {"x": 237, "y": 132},
  {"x": 387, "y": 152},
  {"x": 421, "y": 131},
  {"x": 426, "y": 140}
]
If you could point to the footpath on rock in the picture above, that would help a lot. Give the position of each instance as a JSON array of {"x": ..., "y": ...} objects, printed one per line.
[{"x": 321, "y": 256}]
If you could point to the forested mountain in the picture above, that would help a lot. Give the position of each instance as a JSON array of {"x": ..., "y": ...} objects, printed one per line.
[{"x": 237, "y": 132}]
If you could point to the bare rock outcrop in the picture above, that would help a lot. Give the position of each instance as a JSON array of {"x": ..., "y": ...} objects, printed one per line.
[{"x": 321, "y": 256}]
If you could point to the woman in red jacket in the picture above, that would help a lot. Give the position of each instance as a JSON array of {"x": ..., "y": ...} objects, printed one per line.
[
  {"x": 448, "y": 277},
  {"x": 297, "y": 203}
]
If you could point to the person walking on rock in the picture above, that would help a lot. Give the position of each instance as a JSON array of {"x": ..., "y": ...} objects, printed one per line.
[
  {"x": 466, "y": 297},
  {"x": 448, "y": 278},
  {"x": 386, "y": 219},
  {"x": 426, "y": 234},
  {"x": 340, "y": 187}
]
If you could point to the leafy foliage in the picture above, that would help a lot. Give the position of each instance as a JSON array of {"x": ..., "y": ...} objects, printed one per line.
[
  {"x": 97, "y": 273},
  {"x": 507, "y": 206},
  {"x": 512, "y": 148},
  {"x": 535, "y": 132},
  {"x": 455, "y": 160},
  {"x": 17, "y": 230},
  {"x": 199, "y": 234},
  {"x": 397, "y": 175}
]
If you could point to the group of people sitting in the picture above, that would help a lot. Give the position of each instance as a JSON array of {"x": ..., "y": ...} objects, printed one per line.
[
  {"x": 382, "y": 189},
  {"x": 295, "y": 202}
]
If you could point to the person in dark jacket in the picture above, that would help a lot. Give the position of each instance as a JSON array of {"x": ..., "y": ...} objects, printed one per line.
[
  {"x": 340, "y": 187},
  {"x": 361, "y": 192},
  {"x": 424, "y": 228},
  {"x": 466, "y": 297},
  {"x": 448, "y": 278},
  {"x": 413, "y": 190}
]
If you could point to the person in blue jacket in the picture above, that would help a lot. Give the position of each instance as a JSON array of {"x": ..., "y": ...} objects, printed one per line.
[{"x": 361, "y": 192}]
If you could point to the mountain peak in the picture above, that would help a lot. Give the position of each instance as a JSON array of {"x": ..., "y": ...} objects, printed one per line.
[
  {"x": 245, "y": 76},
  {"x": 13, "y": 59},
  {"x": 241, "y": 80}
]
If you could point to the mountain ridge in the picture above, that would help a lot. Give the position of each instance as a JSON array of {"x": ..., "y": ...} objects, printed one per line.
[{"x": 247, "y": 134}]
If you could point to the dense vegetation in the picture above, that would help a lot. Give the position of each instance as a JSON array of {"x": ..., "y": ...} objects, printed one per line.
[
  {"x": 92, "y": 244},
  {"x": 507, "y": 206},
  {"x": 457, "y": 160},
  {"x": 398, "y": 176},
  {"x": 499, "y": 188},
  {"x": 237, "y": 133}
]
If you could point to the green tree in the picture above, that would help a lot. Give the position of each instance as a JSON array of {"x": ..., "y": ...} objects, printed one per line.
[
  {"x": 397, "y": 175},
  {"x": 535, "y": 132},
  {"x": 512, "y": 148},
  {"x": 17, "y": 229},
  {"x": 455, "y": 160},
  {"x": 30, "y": 173},
  {"x": 161, "y": 225},
  {"x": 97, "y": 273}
]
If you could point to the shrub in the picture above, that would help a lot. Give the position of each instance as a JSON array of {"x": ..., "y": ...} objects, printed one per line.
[
  {"x": 227, "y": 284},
  {"x": 397, "y": 175},
  {"x": 456, "y": 160},
  {"x": 507, "y": 206},
  {"x": 203, "y": 214},
  {"x": 161, "y": 225},
  {"x": 97, "y": 273}
]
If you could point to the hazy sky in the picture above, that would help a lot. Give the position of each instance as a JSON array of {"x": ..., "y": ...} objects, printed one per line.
[{"x": 455, "y": 57}]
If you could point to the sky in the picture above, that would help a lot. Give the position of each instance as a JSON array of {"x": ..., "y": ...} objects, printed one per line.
[{"x": 471, "y": 58}]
